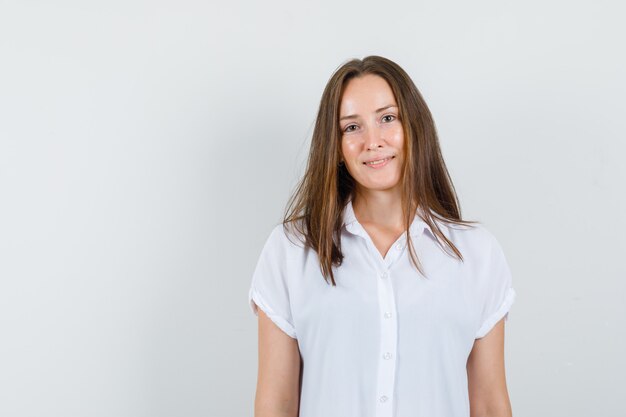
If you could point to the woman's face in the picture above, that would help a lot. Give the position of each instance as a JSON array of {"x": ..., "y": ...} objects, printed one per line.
[{"x": 371, "y": 131}]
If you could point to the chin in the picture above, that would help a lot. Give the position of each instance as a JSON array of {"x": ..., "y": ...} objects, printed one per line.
[{"x": 379, "y": 186}]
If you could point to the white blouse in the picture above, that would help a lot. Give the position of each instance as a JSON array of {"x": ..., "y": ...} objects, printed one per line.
[{"x": 386, "y": 341}]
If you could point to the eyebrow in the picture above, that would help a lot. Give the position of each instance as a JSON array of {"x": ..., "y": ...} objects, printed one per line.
[{"x": 354, "y": 116}]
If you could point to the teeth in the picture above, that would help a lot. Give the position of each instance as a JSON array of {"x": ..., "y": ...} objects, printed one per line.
[{"x": 377, "y": 162}]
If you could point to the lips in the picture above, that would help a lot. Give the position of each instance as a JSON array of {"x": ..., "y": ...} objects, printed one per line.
[{"x": 378, "y": 160}]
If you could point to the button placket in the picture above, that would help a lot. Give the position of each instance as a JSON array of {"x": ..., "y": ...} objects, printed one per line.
[
  {"x": 388, "y": 345},
  {"x": 388, "y": 326}
]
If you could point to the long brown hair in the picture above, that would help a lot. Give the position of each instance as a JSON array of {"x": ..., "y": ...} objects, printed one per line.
[{"x": 316, "y": 206}]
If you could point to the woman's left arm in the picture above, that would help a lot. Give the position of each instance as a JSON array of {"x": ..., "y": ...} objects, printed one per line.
[{"x": 488, "y": 392}]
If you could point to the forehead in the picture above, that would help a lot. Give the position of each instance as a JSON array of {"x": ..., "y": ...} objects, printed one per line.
[{"x": 365, "y": 92}]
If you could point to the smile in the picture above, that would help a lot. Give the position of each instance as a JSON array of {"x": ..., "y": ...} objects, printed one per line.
[{"x": 379, "y": 163}]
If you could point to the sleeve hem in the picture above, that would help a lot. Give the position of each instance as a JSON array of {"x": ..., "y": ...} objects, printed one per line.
[
  {"x": 495, "y": 317},
  {"x": 255, "y": 300}
]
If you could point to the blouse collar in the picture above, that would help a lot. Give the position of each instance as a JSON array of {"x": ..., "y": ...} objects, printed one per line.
[{"x": 351, "y": 223}]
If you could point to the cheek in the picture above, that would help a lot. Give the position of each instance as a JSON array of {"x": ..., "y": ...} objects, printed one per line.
[
  {"x": 399, "y": 136},
  {"x": 350, "y": 148},
  {"x": 398, "y": 143},
  {"x": 399, "y": 148}
]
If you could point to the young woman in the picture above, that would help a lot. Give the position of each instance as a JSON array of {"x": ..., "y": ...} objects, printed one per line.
[{"x": 373, "y": 296}]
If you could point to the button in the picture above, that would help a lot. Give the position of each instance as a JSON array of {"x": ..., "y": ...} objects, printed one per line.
[
  {"x": 383, "y": 398},
  {"x": 399, "y": 246},
  {"x": 384, "y": 274},
  {"x": 387, "y": 355},
  {"x": 387, "y": 315}
]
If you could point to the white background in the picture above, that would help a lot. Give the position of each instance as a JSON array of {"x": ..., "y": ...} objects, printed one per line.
[{"x": 148, "y": 147}]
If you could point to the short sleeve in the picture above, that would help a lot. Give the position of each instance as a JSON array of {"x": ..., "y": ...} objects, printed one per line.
[
  {"x": 269, "y": 289},
  {"x": 497, "y": 293}
]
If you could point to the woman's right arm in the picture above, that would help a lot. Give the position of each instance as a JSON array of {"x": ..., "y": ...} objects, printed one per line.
[{"x": 278, "y": 380}]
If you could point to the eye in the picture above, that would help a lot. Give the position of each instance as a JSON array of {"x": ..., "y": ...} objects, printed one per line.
[
  {"x": 348, "y": 128},
  {"x": 391, "y": 116}
]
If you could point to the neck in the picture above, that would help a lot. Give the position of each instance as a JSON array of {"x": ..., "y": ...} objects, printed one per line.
[{"x": 381, "y": 208}]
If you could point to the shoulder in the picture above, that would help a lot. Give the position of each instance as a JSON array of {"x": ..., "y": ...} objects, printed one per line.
[
  {"x": 475, "y": 240},
  {"x": 285, "y": 240}
]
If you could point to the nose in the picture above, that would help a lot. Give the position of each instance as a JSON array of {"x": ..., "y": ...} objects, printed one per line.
[{"x": 375, "y": 138}]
